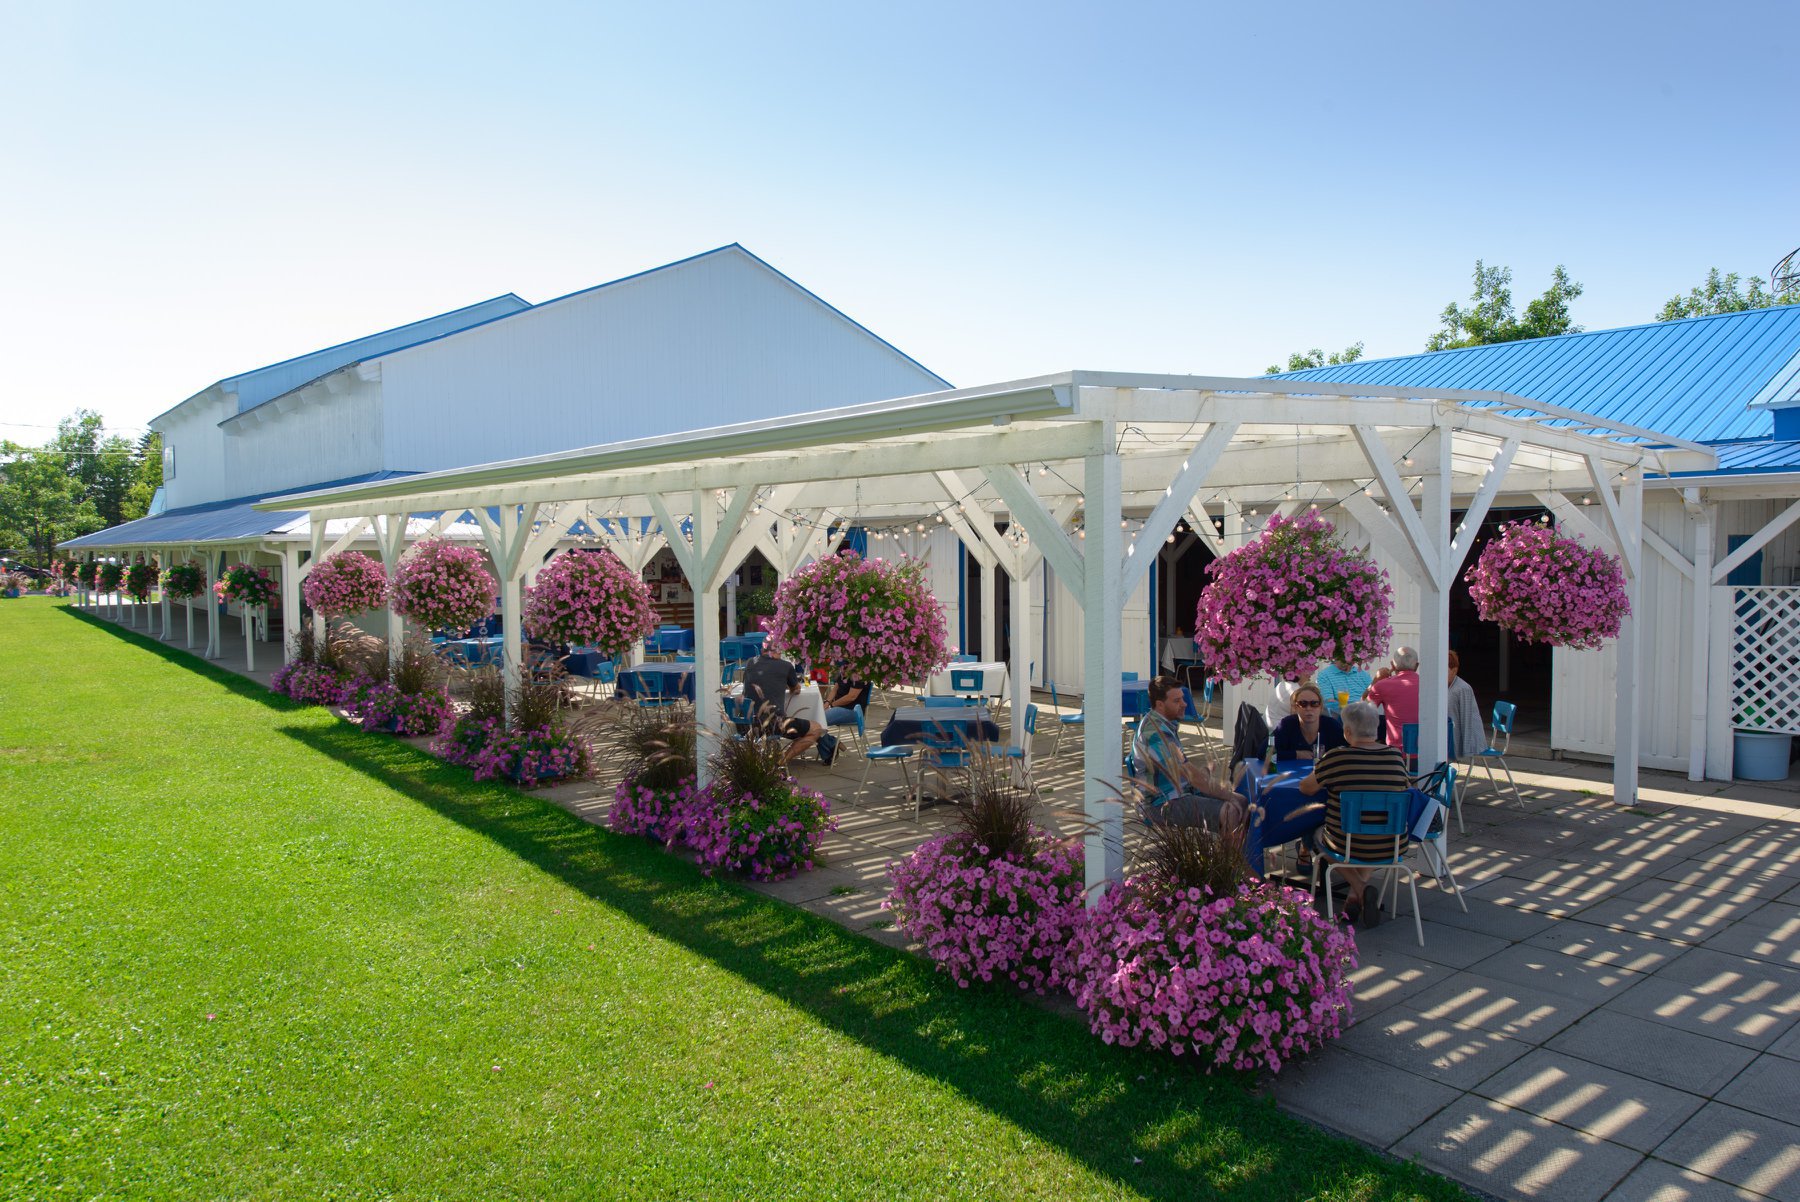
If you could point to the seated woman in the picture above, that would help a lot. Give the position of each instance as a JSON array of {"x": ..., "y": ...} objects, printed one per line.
[
  {"x": 1364, "y": 763},
  {"x": 1309, "y": 731},
  {"x": 842, "y": 698}
]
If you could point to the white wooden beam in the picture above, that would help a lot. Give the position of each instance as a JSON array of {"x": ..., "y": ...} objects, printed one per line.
[
  {"x": 714, "y": 566},
  {"x": 1477, "y": 514},
  {"x": 1046, "y": 532},
  {"x": 1756, "y": 542},
  {"x": 1601, "y": 474},
  {"x": 1424, "y": 552},
  {"x": 1181, "y": 491},
  {"x": 1570, "y": 516}
]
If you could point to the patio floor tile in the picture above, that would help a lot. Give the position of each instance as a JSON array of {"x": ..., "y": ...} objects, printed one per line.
[
  {"x": 1770, "y": 933},
  {"x": 1601, "y": 1101},
  {"x": 1522, "y": 1011},
  {"x": 1659, "y": 1181},
  {"x": 1391, "y": 977},
  {"x": 1450, "y": 1053},
  {"x": 1693, "y": 1063},
  {"x": 1604, "y": 945},
  {"x": 1365, "y": 1099},
  {"x": 1450, "y": 946},
  {"x": 1513, "y": 1154},
  {"x": 1544, "y": 968},
  {"x": 1761, "y": 1154},
  {"x": 1769, "y": 1087}
]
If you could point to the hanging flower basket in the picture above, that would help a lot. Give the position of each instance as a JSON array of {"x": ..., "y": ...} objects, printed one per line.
[
  {"x": 111, "y": 574},
  {"x": 1548, "y": 588},
  {"x": 1247, "y": 979},
  {"x": 248, "y": 585},
  {"x": 182, "y": 581},
  {"x": 443, "y": 586},
  {"x": 344, "y": 584},
  {"x": 1290, "y": 600},
  {"x": 590, "y": 598},
  {"x": 87, "y": 574},
  {"x": 874, "y": 618},
  {"x": 140, "y": 579}
]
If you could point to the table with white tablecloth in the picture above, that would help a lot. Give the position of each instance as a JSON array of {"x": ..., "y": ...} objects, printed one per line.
[
  {"x": 808, "y": 703},
  {"x": 993, "y": 679}
]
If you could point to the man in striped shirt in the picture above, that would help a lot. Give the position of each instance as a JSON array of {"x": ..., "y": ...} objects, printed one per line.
[{"x": 1364, "y": 764}]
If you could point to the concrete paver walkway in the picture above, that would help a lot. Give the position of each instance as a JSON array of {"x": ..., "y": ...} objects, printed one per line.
[{"x": 1617, "y": 1015}]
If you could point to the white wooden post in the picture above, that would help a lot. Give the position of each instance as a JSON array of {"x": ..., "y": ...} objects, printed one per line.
[
  {"x": 215, "y": 647},
  {"x": 1019, "y": 672},
  {"x": 1701, "y": 637},
  {"x": 390, "y": 535},
  {"x": 1434, "y": 602},
  {"x": 290, "y": 602},
  {"x": 1629, "y": 521},
  {"x": 1101, "y": 701},
  {"x": 731, "y": 588},
  {"x": 710, "y": 541},
  {"x": 167, "y": 559},
  {"x": 316, "y": 531},
  {"x": 511, "y": 602}
]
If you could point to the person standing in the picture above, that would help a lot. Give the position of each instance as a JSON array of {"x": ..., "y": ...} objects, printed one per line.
[{"x": 1396, "y": 690}]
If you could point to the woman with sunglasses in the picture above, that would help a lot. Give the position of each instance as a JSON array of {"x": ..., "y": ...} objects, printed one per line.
[{"x": 1309, "y": 731}]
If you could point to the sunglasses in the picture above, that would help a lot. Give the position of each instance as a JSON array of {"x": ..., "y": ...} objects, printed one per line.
[{"x": 1307, "y": 705}]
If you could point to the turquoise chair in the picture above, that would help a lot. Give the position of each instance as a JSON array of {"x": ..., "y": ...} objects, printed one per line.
[
  {"x": 1441, "y": 787},
  {"x": 1504, "y": 712},
  {"x": 1063, "y": 721},
  {"x": 1018, "y": 756},
  {"x": 1372, "y": 815},
  {"x": 901, "y": 754},
  {"x": 859, "y": 724},
  {"x": 947, "y": 703}
]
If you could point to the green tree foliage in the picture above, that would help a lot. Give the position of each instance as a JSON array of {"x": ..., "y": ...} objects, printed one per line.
[
  {"x": 1317, "y": 358},
  {"x": 82, "y": 480},
  {"x": 105, "y": 465},
  {"x": 1721, "y": 294},
  {"x": 147, "y": 476},
  {"x": 41, "y": 503},
  {"x": 1490, "y": 317}
]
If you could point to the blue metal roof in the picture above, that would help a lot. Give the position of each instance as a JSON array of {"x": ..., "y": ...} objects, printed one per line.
[
  {"x": 1754, "y": 455},
  {"x": 1692, "y": 379},
  {"x": 215, "y": 521}
]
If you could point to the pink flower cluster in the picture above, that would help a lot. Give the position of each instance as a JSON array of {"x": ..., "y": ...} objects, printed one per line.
[
  {"x": 182, "y": 581},
  {"x": 1288, "y": 601},
  {"x": 378, "y": 705},
  {"x": 1548, "y": 588},
  {"x": 526, "y": 758},
  {"x": 140, "y": 579},
  {"x": 248, "y": 585},
  {"x": 443, "y": 586},
  {"x": 876, "y": 619},
  {"x": 980, "y": 917},
  {"x": 765, "y": 838},
  {"x": 346, "y": 583},
  {"x": 662, "y": 816},
  {"x": 312, "y": 684},
  {"x": 590, "y": 598},
  {"x": 1245, "y": 981}
]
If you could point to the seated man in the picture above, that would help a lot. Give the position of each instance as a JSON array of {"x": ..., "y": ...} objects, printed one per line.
[
  {"x": 842, "y": 698},
  {"x": 1363, "y": 763},
  {"x": 1184, "y": 793},
  {"x": 769, "y": 681}
]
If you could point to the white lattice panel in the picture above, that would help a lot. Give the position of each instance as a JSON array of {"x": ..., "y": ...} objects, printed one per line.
[{"x": 1765, "y": 680}]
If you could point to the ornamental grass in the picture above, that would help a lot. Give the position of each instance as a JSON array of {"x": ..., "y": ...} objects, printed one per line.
[
  {"x": 657, "y": 788},
  {"x": 1548, "y": 588},
  {"x": 1291, "y": 599}
]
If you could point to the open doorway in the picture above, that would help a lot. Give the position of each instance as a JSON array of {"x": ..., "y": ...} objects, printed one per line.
[{"x": 1498, "y": 665}]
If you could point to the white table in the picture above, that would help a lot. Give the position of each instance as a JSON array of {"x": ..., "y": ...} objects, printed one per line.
[
  {"x": 1177, "y": 649},
  {"x": 808, "y": 703},
  {"x": 993, "y": 679}
]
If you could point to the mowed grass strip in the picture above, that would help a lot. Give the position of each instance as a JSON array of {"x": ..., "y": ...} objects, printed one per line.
[{"x": 248, "y": 951}]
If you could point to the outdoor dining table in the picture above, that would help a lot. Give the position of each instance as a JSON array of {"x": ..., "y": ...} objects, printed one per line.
[
  {"x": 474, "y": 651},
  {"x": 584, "y": 663},
  {"x": 993, "y": 679},
  {"x": 912, "y": 723},
  {"x": 1288, "y": 814},
  {"x": 654, "y": 680},
  {"x": 669, "y": 641}
]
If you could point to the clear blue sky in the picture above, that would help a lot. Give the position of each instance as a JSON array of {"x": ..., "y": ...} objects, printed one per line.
[{"x": 189, "y": 191}]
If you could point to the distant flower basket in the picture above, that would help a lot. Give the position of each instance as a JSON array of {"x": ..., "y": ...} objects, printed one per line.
[
  {"x": 87, "y": 574},
  {"x": 1290, "y": 600},
  {"x": 182, "y": 581},
  {"x": 1548, "y": 588},
  {"x": 589, "y": 597},
  {"x": 875, "y": 618},
  {"x": 140, "y": 579},
  {"x": 442, "y": 586},
  {"x": 344, "y": 584},
  {"x": 110, "y": 576},
  {"x": 248, "y": 585}
]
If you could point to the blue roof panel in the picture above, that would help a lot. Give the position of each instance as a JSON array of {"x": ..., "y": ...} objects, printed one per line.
[
  {"x": 215, "y": 521},
  {"x": 1692, "y": 379}
]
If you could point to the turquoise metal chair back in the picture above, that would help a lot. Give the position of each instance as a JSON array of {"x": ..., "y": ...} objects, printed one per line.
[
  {"x": 1374, "y": 815},
  {"x": 1503, "y": 717}
]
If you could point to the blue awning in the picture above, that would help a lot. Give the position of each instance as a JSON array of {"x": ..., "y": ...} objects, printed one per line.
[{"x": 231, "y": 521}]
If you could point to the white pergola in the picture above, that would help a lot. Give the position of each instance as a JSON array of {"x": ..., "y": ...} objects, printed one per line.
[{"x": 1062, "y": 460}]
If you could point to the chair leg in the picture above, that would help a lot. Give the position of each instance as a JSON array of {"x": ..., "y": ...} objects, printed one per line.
[
  {"x": 1446, "y": 872},
  {"x": 1511, "y": 784},
  {"x": 863, "y": 785},
  {"x": 1412, "y": 881}
]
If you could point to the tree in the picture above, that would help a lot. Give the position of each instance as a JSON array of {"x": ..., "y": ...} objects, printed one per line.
[
  {"x": 1318, "y": 358},
  {"x": 1490, "y": 317},
  {"x": 1720, "y": 295},
  {"x": 147, "y": 476},
  {"x": 103, "y": 466},
  {"x": 40, "y": 502}
]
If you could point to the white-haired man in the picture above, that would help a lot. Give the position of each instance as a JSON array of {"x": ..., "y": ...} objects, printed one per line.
[{"x": 1396, "y": 690}]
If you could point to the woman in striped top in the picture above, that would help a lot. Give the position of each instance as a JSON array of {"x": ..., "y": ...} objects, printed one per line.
[{"x": 1364, "y": 764}]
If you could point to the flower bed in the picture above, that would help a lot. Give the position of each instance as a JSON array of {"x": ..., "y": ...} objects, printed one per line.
[
  {"x": 876, "y": 619},
  {"x": 590, "y": 598},
  {"x": 443, "y": 586},
  {"x": 765, "y": 836},
  {"x": 182, "y": 581},
  {"x": 1247, "y": 979},
  {"x": 1290, "y": 600},
  {"x": 379, "y": 705},
  {"x": 659, "y": 813},
  {"x": 524, "y": 757},
  {"x": 140, "y": 579},
  {"x": 346, "y": 583},
  {"x": 981, "y": 917},
  {"x": 248, "y": 585},
  {"x": 1548, "y": 588},
  {"x": 312, "y": 683}
]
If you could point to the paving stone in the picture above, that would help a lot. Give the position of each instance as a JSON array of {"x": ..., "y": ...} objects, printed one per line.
[
  {"x": 1759, "y": 1153},
  {"x": 1601, "y": 1101},
  {"x": 1450, "y": 946},
  {"x": 1389, "y": 976},
  {"x": 805, "y": 886},
  {"x": 1511, "y": 1008},
  {"x": 1692, "y": 1063},
  {"x": 1451, "y": 1053},
  {"x": 1604, "y": 945},
  {"x": 1487, "y": 917},
  {"x": 1770, "y": 938},
  {"x": 1516, "y": 1155},
  {"x": 1788, "y": 1045},
  {"x": 1544, "y": 968},
  {"x": 1659, "y": 1181},
  {"x": 1770, "y": 1087},
  {"x": 1365, "y": 1099},
  {"x": 1671, "y": 911}
]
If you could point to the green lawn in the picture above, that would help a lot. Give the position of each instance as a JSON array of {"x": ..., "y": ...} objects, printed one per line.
[{"x": 249, "y": 951}]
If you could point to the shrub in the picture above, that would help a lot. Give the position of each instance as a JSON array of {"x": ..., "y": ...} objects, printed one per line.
[
  {"x": 443, "y": 586},
  {"x": 346, "y": 583},
  {"x": 660, "y": 813},
  {"x": 1548, "y": 588},
  {"x": 1247, "y": 979},
  {"x": 311, "y": 682},
  {"x": 877, "y": 620},
  {"x": 530, "y": 756},
  {"x": 588, "y": 597},
  {"x": 379, "y": 705}
]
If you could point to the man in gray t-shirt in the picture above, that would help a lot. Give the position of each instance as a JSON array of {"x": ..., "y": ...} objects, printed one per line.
[{"x": 771, "y": 681}]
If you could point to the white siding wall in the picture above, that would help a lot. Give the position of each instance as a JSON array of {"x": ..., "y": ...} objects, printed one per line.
[
  {"x": 325, "y": 437},
  {"x": 199, "y": 454},
  {"x": 1067, "y": 658},
  {"x": 717, "y": 340},
  {"x": 943, "y": 560}
]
